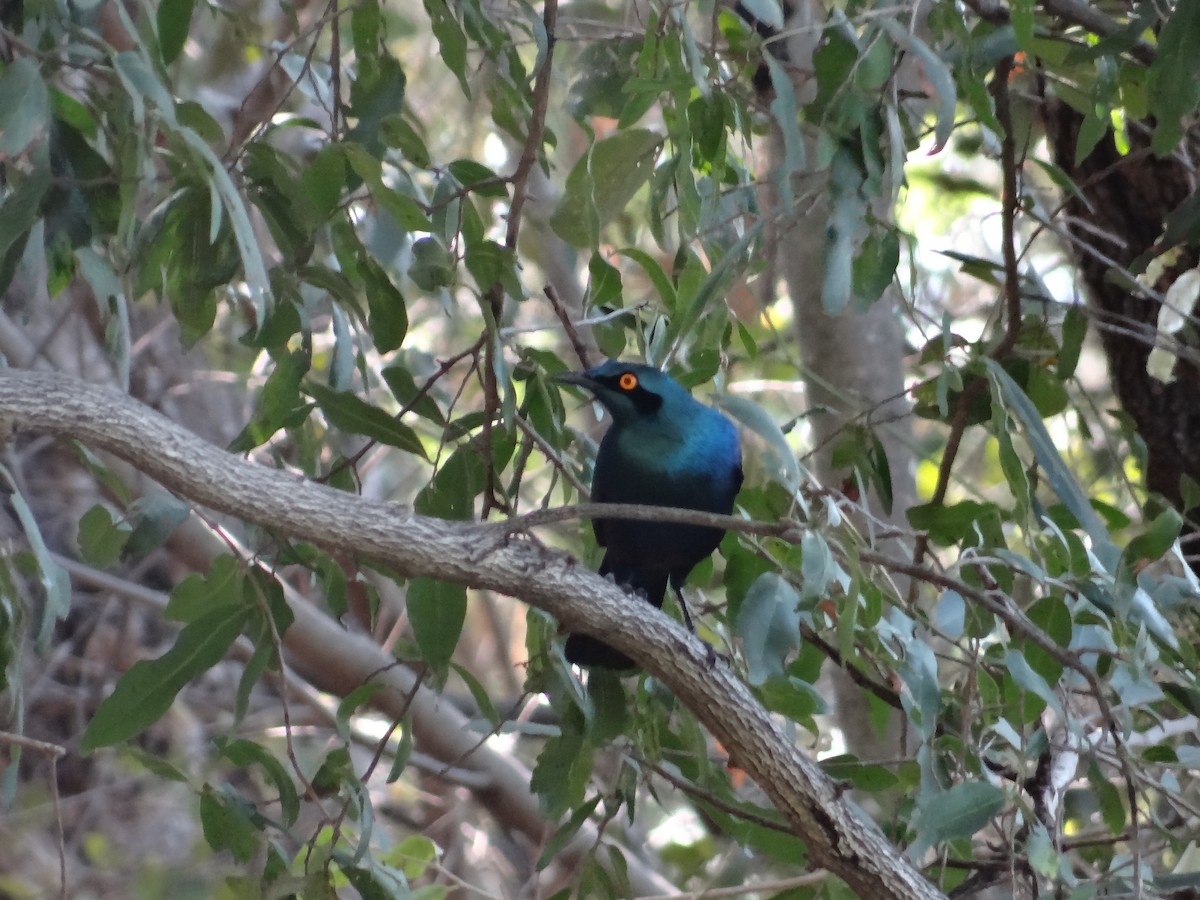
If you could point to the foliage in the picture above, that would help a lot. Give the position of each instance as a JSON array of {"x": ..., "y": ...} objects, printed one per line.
[{"x": 367, "y": 249}]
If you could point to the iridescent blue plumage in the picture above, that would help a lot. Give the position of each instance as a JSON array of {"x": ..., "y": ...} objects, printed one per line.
[{"x": 663, "y": 449}]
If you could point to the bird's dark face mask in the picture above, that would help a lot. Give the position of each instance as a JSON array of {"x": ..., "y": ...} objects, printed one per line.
[{"x": 619, "y": 389}]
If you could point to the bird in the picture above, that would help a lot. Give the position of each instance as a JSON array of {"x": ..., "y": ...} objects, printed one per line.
[{"x": 663, "y": 448}]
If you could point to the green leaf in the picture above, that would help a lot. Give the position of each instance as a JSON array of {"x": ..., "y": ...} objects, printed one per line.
[
  {"x": 335, "y": 772},
  {"x": 601, "y": 184},
  {"x": 101, "y": 538},
  {"x": 662, "y": 284},
  {"x": 1057, "y": 473},
  {"x": 490, "y": 263},
  {"x": 451, "y": 494},
  {"x": 714, "y": 286},
  {"x": 451, "y": 40},
  {"x": 412, "y": 856},
  {"x": 923, "y": 698},
  {"x": 1091, "y": 130},
  {"x": 389, "y": 312},
  {"x": 245, "y": 753},
  {"x": 21, "y": 209},
  {"x": 950, "y": 614},
  {"x": 280, "y": 404},
  {"x": 246, "y": 238},
  {"x": 947, "y": 525},
  {"x": 174, "y": 17},
  {"x": 604, "y": 282},
  {"x": 1022, "y": 23},
  {"x": 768, "y": 624},
  {"x": 198, "y": 594},
  {"x": 1074, "y": 328},
  {"x": 1027, "y": 679},
  {"x": 1153, "y": 542},
  {"x": 366, "y": 24},
  {"x": 349, "y": 705},
  {"x": 354, "y": 416},
  {"x": 1108, "y": 796},
  {"x": 762, "y": 423},
  {"x": 404, "y": 749},
  {"x": 793, "y": 698},
  {"x": 227, "y": 820},
  {"x": 479, "y": 694},
  {"x": 405, "y": 390},
  {"x": 559, "y": 840},
  {"x": 263, "y": 658},
  {"x": 784, "y": 112},
  {"x": 399, "y": 133},
  {"x": 156, "y": 515},
  {"x": 271, "y": 178},
  {"x": 149, "y": 688},
  {"x": 560, "y": 774},
  {"x": 940, "y": 77},
  {"x": 958, "y": 812},
  {"x": 24, "y": 105},
  {"x": 437, "y": 611},
  {"x": 610, "y": 713},
  {"x": 156, "y": 765},
  {"x": 847, "y": 216},
  {"x": 375, "y": 95},
  {"x": 52, "y": 577},
  {"x": 864, "y": 776},
  {"x": 405, "y": 210},
  {"x": 478, "y": 178},
  {"x": 875, "y": 266},
  {"x": 376, "y": 882},
  {"x": 1175, "y": 76},
  {"x": 432, "y": 266}
]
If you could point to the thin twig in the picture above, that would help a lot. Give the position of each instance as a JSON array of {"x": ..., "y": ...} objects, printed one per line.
[
  {"x": 728, "y": 808},
  {"x": 1008, "y": 209},
  {"x": 577, "y": 344},
  {"x": 494, "y": 297},
  {"x": 52, "y": 752},
  {"x": 1012, "y": 296},
  {"x": 444, "y": 367},
  {"x": 537, "y": 127}
]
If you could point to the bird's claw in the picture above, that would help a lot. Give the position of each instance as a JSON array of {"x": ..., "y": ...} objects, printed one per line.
[{"x": 712, "y": 655}]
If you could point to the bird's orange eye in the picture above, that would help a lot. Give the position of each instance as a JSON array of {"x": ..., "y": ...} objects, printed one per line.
[{"x": 627, "y": 381}]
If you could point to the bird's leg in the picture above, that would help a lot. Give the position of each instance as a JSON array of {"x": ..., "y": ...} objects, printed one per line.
[
  {"x": 683, "y": 608},
  {"x": 711, "y": 654}
]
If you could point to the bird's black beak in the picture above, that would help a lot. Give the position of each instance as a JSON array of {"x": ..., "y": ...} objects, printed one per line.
[{"x": 579, "y": 379}]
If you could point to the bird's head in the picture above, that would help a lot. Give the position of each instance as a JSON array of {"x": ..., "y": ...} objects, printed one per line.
[{"x": 628, "y": 390}]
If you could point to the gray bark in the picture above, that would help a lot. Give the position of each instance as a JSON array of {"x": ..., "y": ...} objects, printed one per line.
[{"x": 484, "y": 556}]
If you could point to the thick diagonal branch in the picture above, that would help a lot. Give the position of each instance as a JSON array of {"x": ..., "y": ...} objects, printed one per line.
[{"x": 838, "y": 837}]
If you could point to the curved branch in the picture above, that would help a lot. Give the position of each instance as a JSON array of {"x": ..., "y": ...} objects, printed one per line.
[{"x": 838, "y": 837}]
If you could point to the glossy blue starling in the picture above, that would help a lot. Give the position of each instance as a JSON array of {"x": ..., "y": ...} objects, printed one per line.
[{"x": 663, "y": 449}]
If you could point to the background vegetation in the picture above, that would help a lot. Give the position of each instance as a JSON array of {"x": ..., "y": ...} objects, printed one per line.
[{"x": 354, "y": 243}]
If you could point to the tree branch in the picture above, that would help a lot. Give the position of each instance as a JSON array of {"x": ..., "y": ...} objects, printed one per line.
[
  {"x": 839, "y": 838},
  {"x": 1008, "y": 209}
]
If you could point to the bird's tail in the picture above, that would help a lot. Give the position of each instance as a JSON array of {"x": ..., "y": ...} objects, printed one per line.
[
  {"x": 592, "y": 653},
  {"x": 589, "y": 652}
]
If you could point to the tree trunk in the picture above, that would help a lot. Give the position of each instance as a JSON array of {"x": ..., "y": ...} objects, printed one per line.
[{"x": 1116, "y": 217}]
